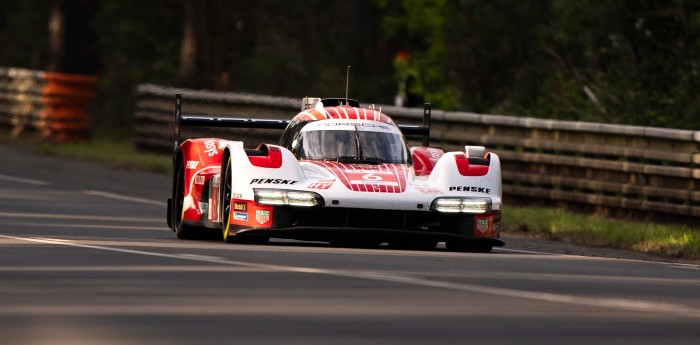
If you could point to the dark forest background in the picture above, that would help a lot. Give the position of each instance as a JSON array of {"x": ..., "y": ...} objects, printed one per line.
[{"x": 614, "y": 61}]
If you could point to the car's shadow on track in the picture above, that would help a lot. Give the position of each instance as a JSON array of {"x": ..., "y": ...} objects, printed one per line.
[{"x": 213, "y": 236}]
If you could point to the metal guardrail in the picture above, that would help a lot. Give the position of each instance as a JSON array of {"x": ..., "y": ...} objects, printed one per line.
[
  {"x": 53, "y": 104},
  {"x": 629, "y": 171}
]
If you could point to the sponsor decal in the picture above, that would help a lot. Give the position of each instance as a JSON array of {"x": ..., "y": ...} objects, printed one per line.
[
  {"x": 353, "y": 124},
  {"x": 435, "y": 153},
  {"x": 367, "y": 169},
  {"x": 199, "y": 180},
  {"x": 272, "y": 181},
  {"x": 192, "y": 164},
  {"x": 216, "y": 181},
  {"x": 240, "y": 206},
  {"x": 210, "y": 148},
  {"x": 262, "y": 216},
  {"x": 470, "y": 189},
  {"x": 240, "y": 216},
  {"x": 428, "y": 190},
  {"x": 236, "y": 195},
  {"x": 203, "y": 207},
  {"x": 321, "y": 184},
  {"x": 482, "y": 225}
]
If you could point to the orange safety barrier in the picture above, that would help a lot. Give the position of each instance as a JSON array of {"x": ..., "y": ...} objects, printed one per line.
[{"x": 66, "y": 98}]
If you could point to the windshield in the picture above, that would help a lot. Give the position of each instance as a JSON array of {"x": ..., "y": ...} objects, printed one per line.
[{"x": 351, "y": 146}]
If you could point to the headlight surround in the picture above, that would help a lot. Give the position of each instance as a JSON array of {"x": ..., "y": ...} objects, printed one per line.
[
  {"x": 462, "y": 205},
  {"x": 287, "y": 197}
]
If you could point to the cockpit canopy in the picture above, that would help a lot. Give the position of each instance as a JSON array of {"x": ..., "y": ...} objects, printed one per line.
[{"x": 347, "y": 141}]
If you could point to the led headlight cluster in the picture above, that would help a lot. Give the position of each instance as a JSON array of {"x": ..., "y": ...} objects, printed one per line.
[
  {"x": 287, "y": 197},
  {"x": 463, "y": 205}
]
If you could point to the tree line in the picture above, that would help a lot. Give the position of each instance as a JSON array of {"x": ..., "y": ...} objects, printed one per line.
[{"x": 614, "y": 61}]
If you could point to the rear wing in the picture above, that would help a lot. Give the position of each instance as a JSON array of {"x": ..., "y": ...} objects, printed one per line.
[
  {"x": 422, "y": 130},
  {"x": 199, "y": 120}
]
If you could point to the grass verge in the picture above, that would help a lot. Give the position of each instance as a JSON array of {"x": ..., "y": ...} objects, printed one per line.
[
  {"x": 667, "y": 240},
  {"x": 117, "y": 153}
]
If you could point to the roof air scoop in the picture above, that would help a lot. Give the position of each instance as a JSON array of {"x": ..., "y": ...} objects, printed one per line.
[{"x": 309, "y": 103}]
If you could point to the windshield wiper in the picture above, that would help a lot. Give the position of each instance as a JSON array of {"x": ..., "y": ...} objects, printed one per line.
[
  {"x": 363, "y": 160},
  {"x": 372, "y": 160},
  {"x": 347, "y": 159}
]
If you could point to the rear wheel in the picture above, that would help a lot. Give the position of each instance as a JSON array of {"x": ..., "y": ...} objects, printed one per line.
[{"x": 182, "y": 231}]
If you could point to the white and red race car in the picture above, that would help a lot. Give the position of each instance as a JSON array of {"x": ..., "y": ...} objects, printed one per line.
[{"x": 341, "y": 174}]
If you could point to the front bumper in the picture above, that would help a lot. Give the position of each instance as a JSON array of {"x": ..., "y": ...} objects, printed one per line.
[{"x": 334, "y": 223}]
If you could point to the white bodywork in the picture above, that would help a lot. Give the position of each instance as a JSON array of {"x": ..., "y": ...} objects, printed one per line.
[{"x": 419, "y": 190}]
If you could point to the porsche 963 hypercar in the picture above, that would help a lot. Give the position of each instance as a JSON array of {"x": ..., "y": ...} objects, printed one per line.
[{"x": 340, "y": 173}]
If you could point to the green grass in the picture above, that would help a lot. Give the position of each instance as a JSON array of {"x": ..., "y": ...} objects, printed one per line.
[
  {"x": 118, "y": 153},
  {"x": 658, "y": 239}
]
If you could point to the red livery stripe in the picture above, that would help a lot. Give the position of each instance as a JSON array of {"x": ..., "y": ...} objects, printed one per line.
[
  {"x": 273, "y": 159},
  {"x": 385, "y": 178},
  {"x": 466, "y": 169}
]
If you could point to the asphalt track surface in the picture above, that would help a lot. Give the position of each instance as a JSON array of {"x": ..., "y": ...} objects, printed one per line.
[{"x": 86, "y": 258}]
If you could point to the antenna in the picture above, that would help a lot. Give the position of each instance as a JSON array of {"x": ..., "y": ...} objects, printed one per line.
[{"x": 347, "y": 84}]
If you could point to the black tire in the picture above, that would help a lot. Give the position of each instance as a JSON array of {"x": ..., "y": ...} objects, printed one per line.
[
  {"x": 225, "y": 199},
  {"x": 468, "y": 246},
  {"x": 182, "y": 231}
]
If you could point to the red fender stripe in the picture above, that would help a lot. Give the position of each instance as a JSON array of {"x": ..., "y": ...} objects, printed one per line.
[
  {"x": 273, "y": 159},
  {"x": 466, "y": 169}
]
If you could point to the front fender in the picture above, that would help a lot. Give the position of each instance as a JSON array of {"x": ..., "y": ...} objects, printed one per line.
[
  {"x": 452, "y": 175},
  {"x": 270, "y": 166}
]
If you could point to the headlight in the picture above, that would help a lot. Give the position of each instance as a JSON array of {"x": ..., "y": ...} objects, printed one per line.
[
  {"x": 464, "y": 205},
  {"x": 287, "y": 197}
]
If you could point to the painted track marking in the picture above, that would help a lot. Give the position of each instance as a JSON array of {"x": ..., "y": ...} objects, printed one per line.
[
  {"x": 23, "y": 180},
  {"x": 633, "y": 305},
  {"x": 123, "y": 197},
  {"x": 56, "y": 216}
]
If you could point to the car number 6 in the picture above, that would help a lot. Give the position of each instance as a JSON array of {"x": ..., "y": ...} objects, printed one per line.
[{"x": 371, "y": 177}]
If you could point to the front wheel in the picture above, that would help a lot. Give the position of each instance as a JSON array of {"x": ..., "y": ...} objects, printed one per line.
[{"x": 225, "y": 200}]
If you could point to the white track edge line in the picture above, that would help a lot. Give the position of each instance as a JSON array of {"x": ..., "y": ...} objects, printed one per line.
[
  {"x": 122, "y": 197},
  {"x": 609, "y": 303},
  {"x": 23, "y": 180}
]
